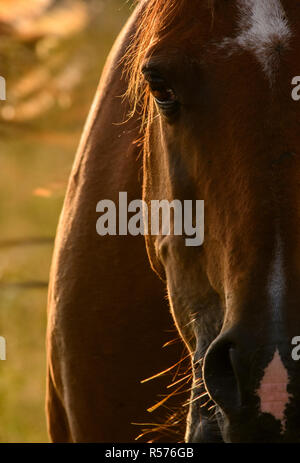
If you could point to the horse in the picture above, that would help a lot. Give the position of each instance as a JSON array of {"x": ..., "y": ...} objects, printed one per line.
[{"x": 194, "y": 104}]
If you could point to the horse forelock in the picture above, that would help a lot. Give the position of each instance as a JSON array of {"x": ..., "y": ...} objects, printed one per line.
[{"x": 160, "y": 23}]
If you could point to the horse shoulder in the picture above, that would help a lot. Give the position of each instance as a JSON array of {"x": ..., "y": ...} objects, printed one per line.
[{"x": 107, "y": 314}]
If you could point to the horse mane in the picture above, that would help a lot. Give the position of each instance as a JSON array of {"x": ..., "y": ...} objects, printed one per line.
[{"x": 161, "y": 23}]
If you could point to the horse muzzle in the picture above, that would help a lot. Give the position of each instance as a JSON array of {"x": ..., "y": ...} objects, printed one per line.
[{"x": 255, "y": 388}]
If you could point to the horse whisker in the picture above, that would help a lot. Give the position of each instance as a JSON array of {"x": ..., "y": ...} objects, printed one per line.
[
  {"x": 178, "y": 381},
  {"x": 158, "y": 404},
  {"x": 164, "y": 371}
]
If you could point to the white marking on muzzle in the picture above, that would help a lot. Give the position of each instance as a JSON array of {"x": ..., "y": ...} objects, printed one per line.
[
  {"x": 273, "y": 386},
  {"x": 273, "y": 389}
]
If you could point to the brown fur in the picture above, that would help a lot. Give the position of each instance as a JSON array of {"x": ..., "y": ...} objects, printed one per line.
[
  {"x": 108, "y": 315},
  {"x": 234, "y": 143}
]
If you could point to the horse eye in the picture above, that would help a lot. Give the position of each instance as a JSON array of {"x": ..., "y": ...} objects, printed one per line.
[{"x": 164, "y": 95}]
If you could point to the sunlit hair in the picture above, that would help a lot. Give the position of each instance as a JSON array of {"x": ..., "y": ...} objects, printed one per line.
[
  {"x": 159, "y": 20},
  {"x": 162, "y": 23}
]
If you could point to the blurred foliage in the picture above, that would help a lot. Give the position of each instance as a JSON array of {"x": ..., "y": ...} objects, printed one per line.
[{"x": 51, "y": 55}]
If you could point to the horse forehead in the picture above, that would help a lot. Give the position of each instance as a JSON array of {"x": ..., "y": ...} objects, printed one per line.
[
  {"x": 263, "y": 29},
  {"x": 262, "y": 21}
]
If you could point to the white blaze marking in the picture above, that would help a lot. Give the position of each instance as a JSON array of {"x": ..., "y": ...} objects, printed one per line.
[
  {"x": 273, "y": 389},
  {"x": 263, "y": 26},
  {"x": 276, "y": 283}
]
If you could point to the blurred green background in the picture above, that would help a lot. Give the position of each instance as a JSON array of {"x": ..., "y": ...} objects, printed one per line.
[{"x": 51, "y": 55}]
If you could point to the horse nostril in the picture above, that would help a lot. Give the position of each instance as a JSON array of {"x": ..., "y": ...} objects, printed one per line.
[{"x": 220, "y": 375}]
